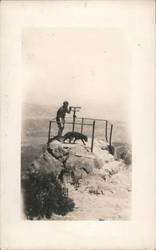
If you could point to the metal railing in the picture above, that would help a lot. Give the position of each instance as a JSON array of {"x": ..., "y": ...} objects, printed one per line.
[{"x": 107, "y": 132}]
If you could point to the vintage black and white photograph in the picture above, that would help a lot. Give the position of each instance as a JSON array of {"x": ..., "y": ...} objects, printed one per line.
[
  {"x": 76, "y": 159},
  {"x": 77, "y": 124}
]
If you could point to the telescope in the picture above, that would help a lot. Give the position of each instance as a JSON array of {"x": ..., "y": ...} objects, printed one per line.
[{"x": 75, "y": 108}]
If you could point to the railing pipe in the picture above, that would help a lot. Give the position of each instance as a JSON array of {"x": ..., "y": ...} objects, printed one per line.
[
  {"x": 106, "y": 128},
  {"x": 74, "y": 118},
  {"x": 82, "y": 125},
  {"x": 49, "y": 132},
  {"x": 76, "y": 123},
  {"x": 110, "y": 137},
  {"x": 93, "y": 131}
]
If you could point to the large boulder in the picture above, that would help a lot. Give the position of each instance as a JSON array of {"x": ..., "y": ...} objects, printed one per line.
[
  {"x": 46, "y": 163},
  {"x": 57, "y": 150},
  {"x": 80, "y": 162},
  {"x": 76, "y": 149},
  {"x": 80, "y": 166}
]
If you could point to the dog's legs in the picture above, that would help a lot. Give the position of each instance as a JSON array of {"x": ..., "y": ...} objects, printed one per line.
[
  {"x": 74, "y": 140},
  {"x": 83, "y": 142},
  {"x": 64, "y": 140}
]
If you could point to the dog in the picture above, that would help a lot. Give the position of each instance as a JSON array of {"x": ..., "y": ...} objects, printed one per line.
[{"x": 76, "y": 136}]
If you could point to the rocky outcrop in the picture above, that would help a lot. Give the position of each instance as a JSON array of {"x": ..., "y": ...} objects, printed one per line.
[
  {"x": 70, "y": 163},
  {"x": 56, "y": 150},
  {"x": 47, "y": 162},
  {"x": 74, "y": 166}
]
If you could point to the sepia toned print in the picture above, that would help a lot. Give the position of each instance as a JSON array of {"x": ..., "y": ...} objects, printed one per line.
[
  {"x": 83, "y": 179},
  {"x": 76, "y": 159}
]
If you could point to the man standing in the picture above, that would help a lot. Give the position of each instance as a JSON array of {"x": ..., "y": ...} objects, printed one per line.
[{"x": 60, "y": 117}]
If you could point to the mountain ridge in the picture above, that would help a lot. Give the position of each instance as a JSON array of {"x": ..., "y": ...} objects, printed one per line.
[{"x": 31, "y": 110}]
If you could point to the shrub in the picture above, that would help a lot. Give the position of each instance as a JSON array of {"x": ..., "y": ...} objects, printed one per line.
[
  {"x": 128, "y": 159},
  {"x": 123, "y": 151},
  {"x": 44, "y": 195}
]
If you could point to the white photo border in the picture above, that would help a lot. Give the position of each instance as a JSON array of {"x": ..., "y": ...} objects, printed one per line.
[{"x": 137, "y": 18}]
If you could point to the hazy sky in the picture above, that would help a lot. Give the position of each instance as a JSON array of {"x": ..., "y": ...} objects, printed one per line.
[{"x": 86, "y": 66}]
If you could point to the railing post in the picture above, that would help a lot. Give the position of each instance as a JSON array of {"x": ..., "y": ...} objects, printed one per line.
[
  {"x": 74, "y": 118},
  {"x": 106, "y": 131},
  {"x": 110, "y": 137},
  {"x": 93, "y": 131},
  {"x": 49, "y": 132},
  {"x": 82, "y": 125}
]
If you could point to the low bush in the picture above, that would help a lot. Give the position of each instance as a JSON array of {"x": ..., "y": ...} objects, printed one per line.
[
  {"x": 122, "y": 151},
  {"x": 44, "y": 195}
]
